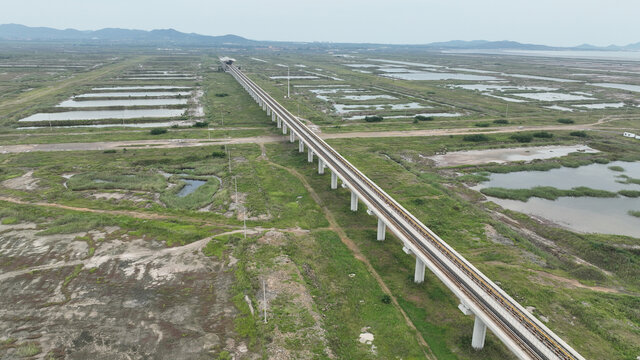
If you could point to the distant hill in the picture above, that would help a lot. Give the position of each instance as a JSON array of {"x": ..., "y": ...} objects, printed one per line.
[{"x": 16, "y": 32}]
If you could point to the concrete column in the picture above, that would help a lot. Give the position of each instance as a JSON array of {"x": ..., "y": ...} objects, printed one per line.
[
  {"x": 310, "y": 155},
  {"x": 273, "y": 116},
  {"x": 300, "y": 146},
  {"x": 320, "y": 166},
  {"x": 279, "y": 123},
  {"x": 334, "y": 180},
  {"x": 419, "y": 274},
  {"x": 479, "y": 333},
  {"x": 382, "y": 229},
  {"x": 354, "y": 201},
  {"x": 284, "y": 129},
  {"x": 292, "y": 136},
  {"x": 268, "y": 111},
  {"x": 264, "y": 106}
]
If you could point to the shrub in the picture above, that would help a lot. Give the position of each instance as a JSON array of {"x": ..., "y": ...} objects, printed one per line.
[
  {"x": 565, "y": 121},
  {"x": 581, "y": 134},
  {"x": 634, "y": 213},
  {"x": 222, "y": 94},
  {"x": 629, "y": 193},
  {"x": 423, "y": 118},
  {"x": 502, "y": 122},
  {"x": 522, "y": 138},
  {"x": 386, "y": 299},
  {"x": 616, "y": 168},
  {"x": 110, "y": 151},
  {"x": 542, "y": 135},
  {"x": 482, "y": 124},
  {"x": 200, "y": 124},
  {"x": 218, "y": 154},
  {"x": 476, "y": 138},
  {"x": 158, "y": 131},
  {"x": 373, "y": 118}
]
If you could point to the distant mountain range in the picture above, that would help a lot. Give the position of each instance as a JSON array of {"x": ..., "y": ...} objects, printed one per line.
[{"x": 16, "y": 32}]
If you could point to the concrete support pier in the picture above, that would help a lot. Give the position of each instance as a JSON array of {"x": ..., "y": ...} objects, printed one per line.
[
  {"x": 320, "y": 166},
  {"x": 301, "y": 146},
  {"x": 382, "y": 229},
  {"x": 292, "y": 136},
  {"x": 279, "y": 123},
  {"x": 334, "y": 180},
  {"x": 418, "y": 277},
  {"x": 268, "y": 111},
  {"x": 273, "y": 116},
  {"x": 354, "y": 201},
  {"x": 284, "y": 129},
  {"x": 310, "y": 155},
  {"x": 479, "y": 333}
]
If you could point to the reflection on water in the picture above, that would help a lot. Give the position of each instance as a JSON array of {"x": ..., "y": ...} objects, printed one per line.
[{"x": 190, "y": 187}]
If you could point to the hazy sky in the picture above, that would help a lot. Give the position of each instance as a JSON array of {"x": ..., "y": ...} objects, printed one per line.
[{"x": 551, "y": 22}]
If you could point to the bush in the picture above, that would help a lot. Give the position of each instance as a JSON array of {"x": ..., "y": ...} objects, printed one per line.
[
  {"x": 482, "y": 124},
  {"x": 616, "y": 168},
  {"x": 476, "y": 138},
  {"x": 423, "y": 118},
  {"x": 502, "y": 122},
  {"x": 218, "y": 154},
  {"x": 373, "y": 118},
  {"x": 158, "y": 131},
  {"x": 629, "y": 193},
  {"x": 581, "y": 134},
  {"x": 222, "y": 94},
  {"x": 386, "y": 299},
  {"x": 542, "y": 135},
  {"x": 110, "y": 151},
  {"x": 200, "y": 124},
  {"x": 522, "y": 138},
  {"x": 565, "y": 121}
]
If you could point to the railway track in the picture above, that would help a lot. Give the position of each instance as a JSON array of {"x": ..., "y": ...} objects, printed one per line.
[{"x": 523, "y": 334}]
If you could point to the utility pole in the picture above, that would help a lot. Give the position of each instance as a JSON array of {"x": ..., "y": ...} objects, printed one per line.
[
  {"x": 264, "y": 299},
  {"x": 222, "y": 117},
  {"x": 288, "y": 81}
]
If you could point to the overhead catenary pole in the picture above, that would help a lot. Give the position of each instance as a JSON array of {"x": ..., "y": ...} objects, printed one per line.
[{"x": 288, "y": 83}]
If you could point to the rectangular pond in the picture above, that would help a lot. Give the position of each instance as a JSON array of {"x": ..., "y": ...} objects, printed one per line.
[
  {"x": 136, "y": 102},
  {"x": 627, "y": 87},
  {"x": 500, "y": 156},
  {"x": 136, "y": 94},
  {"x": 550, "y": 96},
  {"x": 104, "y": 114},
  {"x": 150, "y": 87},
  {"x": 435, "y": 76}
]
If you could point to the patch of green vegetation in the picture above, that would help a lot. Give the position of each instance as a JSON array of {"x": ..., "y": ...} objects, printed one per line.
[
  {"x": 542, "y": 135},
  {"x": 473, "y": 178},
  {"x": 199, "y": 198},
  {"x": 634, "y": 213},
  {"x": 581, "y": 134},
  {"x": 110, "y": 151},
  {"x": 476, "y": 138},
  {"x": 28, "y": 350},
  {"x": 482, "y": 124},
  {"x": 501, "y": 122},
  {"x": 616, "y": 168},
  {"x": 624, "y": 179},
  {"x": 522, "y": 137},
  {"x": 373, "y": 118},
  {"x": 629, "y": 193},
  {"x": 565, "y": 121},
  {"x": 545, "y": 192},
  {"x": 423, "y": 118},
  {"x": 158, "y": 131},
  {"x": 143, "y": 180},
  {"x": 73, "y": 275},
  {"x": 200, "y": 124},
  {"x": 216, "y": 246},
  {"x": 9, "y": 220}
]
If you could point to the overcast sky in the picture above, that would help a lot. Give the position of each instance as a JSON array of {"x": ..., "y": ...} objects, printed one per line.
[{"x": 549, "y": 22}]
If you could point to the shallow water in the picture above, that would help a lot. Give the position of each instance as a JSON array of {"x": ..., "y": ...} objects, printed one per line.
[
  {"x": 595, "y": 176},
  {"x": 294, "y": 77},
  {"x": 434, "y": 76},
  {"x": 628, "y": 87},
  {"x": 487, "y": 87},
  {"x": 500, "y": 156},
  {"x": 140, "y": 125},
  {"x": 534, "y": 77},
  {"x": 136, "y": 94},
  {"x": 190, "y": 187},
  {"x": 104, "y": 114},
  {"x": 601, "y": 106},
  {"x": 558, "y": 107},
  {"x": 506, "y": 98},
  {"x": 137, "y": 102},
  {"x": 369, "y": 97},
  {"x": 583, "y": 214},
  {"x": 150, "y": 87},
  {"x": 549, "y": 96}
]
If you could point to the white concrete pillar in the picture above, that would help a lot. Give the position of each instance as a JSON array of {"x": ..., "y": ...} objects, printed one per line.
[
  {"x": 279, "y": 123},
  {"x": 273, "y": 116},
  {"x": 300, "y": 146},
  {"x": 264, "y": 106},
  {"x": 418, "y": 277},
  {"x": 320, "y": 166},
  {"x": 334, "y": 180},
  {"x": 479, "y": 333},
  {"x": 292, "y": 136},
  {"x": 268, "y": 111},
  {"x": 310, "y": 155},
  {"x": 284, "y": 129},
  {"x": 382, "y": 229},
  {"x": 354, "y": 201}
]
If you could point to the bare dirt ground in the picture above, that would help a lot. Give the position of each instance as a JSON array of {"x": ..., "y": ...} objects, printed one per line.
[{"x": 129, "y": 298}]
